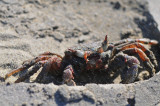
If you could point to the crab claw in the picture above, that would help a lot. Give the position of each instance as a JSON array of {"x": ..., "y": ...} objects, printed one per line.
[
  {"x": 68, "y": 76},
  {"x": 130, "y": 74}
]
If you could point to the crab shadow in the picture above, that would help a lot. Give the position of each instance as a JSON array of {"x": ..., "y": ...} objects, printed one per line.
[{"x": 148, "y": 26}]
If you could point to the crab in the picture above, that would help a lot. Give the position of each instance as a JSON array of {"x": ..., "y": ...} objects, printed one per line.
[{"x": 98, "y": 62}]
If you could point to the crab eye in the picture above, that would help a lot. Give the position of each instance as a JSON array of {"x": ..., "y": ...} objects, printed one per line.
[
  {"x": 105, "y": 43},
  {"x": 106, "y": 37}
]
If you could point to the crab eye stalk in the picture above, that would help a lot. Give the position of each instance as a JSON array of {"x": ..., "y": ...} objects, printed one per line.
[
  {"x": 105, "y": 43},
  {"x": 104, "y": 46}
]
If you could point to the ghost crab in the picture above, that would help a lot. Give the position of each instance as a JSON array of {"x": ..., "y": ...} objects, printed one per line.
[{"x": 99, "y": 62}]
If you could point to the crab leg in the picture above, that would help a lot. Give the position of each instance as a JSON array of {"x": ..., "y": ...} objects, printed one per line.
[
  {"x": 144, "y": 41},
  {"x": 143, "y": 57},
  {"x": 35, "y": 68},
  {"x": 42, "y": 57},
  {"x": 52, "y": 65},
  {"x": 143, "y": 48},
  {"x": 49, "y": 53},
  {"x": 27, "y": 64}
]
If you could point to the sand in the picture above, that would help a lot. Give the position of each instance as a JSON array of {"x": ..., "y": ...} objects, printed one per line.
[{"x": 28, "y": 28}]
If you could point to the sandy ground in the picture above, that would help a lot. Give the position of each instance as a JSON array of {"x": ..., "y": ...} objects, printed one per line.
[{"x": 31, "y": 27}]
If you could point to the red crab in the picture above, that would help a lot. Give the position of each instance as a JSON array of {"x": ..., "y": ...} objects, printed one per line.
[{"x": 99, "y": 62}]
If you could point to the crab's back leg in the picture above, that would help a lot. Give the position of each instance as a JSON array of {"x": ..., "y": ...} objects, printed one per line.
[
  {"x": 27, "y": 64},
  {"x": 143, "y": 57},
  {"x": 143, "y": 41},
  {"x": 50, "y": 54},
  {"x": 43, "y": 56},
  {"x": 149, "y": 53},
  {"x": 35, "y": 68},
  {"x": 53, "y": 63}
]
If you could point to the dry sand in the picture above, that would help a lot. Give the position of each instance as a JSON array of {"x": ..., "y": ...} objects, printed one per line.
[{"x": 31, "y": 27}]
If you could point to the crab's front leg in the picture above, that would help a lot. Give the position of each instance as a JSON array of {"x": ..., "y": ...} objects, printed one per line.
[
  {"x": 52, "y": 66},
  {"x": 68, "y": 76}
]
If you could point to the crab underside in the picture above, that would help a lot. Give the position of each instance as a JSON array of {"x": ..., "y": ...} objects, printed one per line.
[{"x": 125, "y": 61}]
